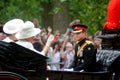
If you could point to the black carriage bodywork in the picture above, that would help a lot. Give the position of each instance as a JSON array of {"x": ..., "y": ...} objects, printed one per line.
[{"x": 15, "y": 58}]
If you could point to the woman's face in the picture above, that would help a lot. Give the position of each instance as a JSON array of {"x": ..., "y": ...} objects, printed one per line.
[
  {"x": 31, "y": 39},
  {"x": 69, "y": 48},
  {"x": 56, "y": 46}
]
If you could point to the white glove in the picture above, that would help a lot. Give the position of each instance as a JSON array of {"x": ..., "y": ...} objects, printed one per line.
[
  {"x": 68, "y": 69},
  {"x": 49, "y": 40},
  {"x": 81, "y": 70}
]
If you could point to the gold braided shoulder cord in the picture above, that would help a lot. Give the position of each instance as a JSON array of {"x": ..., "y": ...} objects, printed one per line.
[{"x": 81, "y": 48}]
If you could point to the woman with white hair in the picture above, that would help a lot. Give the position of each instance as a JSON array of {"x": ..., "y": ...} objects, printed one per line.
[
  {"x": 27, "y": 35},
  {"x": 69, "y": 55},
  {"x": 11, "y": 28}
]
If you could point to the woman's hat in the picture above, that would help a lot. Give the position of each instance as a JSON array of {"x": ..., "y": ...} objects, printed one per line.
[
  {"x": 79, "y": 28},
  {"x": 28, "y": 31},
  {"x": 13, "y": 26}
]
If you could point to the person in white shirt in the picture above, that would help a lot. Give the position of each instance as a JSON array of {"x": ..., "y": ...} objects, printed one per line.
[
  {"x": 27, "y": 35},
  {"x": 11, "y": 28},
  {"x": 56, "y": 56}
]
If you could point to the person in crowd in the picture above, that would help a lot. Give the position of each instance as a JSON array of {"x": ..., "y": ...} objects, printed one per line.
[
  {"x": 97, "y": 42},
  {"x": 76, "y": 21},
  {"x": 50, "y": 52},
  {"x": 68, "y": 55},
  {"x": 26, "y": 37},
  {"x": 44, "y": 36},
  {"x": 36, "y": 23},
  {"x": 38, "y": 44},
  {"x": 90, "y": 38},
  {"x": 2, "y": 34},
  {"x": 57, "y": 35},
  {"x": 85, "y": 52},
  {"x": 11, "y": 28},
  {"x": 56, "y": 56},
  {"x": 41, "y": 39}
]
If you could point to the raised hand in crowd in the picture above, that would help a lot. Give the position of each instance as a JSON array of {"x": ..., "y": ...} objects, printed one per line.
[{"x": 49, "y": 29}]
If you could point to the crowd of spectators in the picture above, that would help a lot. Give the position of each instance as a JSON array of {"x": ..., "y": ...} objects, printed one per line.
[{"x": 61, "y": 51}]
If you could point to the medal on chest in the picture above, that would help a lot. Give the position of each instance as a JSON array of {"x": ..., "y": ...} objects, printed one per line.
[{"x": 81, "y": 53}]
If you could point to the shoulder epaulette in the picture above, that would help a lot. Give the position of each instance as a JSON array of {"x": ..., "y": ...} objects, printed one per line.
[
  {"x": 81, "y": 48},
  {"x": 88, "y": 42}
]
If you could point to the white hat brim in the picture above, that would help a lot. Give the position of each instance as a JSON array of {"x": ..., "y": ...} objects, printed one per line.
[
  {"x": 78, "y": 31},
  {"x": 13, "y": 26},
  {"x": 26, "y": 34},
  {"x": 5, "y": 29}
]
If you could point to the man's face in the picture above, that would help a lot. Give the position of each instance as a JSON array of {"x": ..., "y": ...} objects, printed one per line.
[{"x": 79, "y": 36}]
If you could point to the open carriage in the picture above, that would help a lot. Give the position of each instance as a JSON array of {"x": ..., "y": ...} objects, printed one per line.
[
  {"x": 17, "y": 59},
  {"x": 19, "y": 63}
]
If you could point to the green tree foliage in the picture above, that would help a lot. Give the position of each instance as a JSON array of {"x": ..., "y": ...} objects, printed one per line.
[
  {"x": 25, "y": 9},
  {"x": 90, "y": 12}
]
